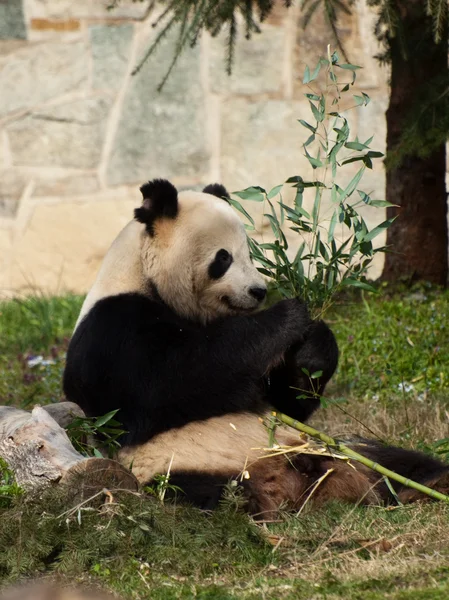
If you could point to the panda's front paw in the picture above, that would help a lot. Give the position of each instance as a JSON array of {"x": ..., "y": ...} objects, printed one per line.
[
  {"x": 296, "y": 319},
  {"x": 317, "y": 354}
]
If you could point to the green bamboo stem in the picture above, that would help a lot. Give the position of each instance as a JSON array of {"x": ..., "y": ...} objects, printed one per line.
[{"x": 346, "y": 451}]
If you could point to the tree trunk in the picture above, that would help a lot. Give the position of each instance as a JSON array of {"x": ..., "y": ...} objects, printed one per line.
[
  {"x": 418, "y": 238},
  {"x": 37, "y": 450}
]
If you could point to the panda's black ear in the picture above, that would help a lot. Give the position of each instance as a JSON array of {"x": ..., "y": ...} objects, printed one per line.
[
  {"x": 216, "y": 189},
  {"x": 160, "y": 199}
]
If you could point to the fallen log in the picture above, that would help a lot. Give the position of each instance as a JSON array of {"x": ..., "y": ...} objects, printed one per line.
[{"x": 37, "y": 450}]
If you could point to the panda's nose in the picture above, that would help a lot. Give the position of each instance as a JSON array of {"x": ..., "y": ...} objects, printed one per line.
[{"x": 258, "y": 293}]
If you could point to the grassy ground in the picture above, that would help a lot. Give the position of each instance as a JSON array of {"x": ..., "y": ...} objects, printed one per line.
[{"x": 393, "y": 383}]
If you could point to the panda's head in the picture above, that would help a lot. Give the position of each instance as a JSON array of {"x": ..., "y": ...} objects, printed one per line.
[
  {"x": 188, "y": 249},
  {"x": 194, "y": 252}
]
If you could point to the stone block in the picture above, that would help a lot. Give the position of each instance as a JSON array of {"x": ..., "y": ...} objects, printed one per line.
[
  {"x": 371, "y": 121},
  {"x": 9, "y": 46},
  {"x": 258, "y": 63},
  {"x": 46, "y": 182},
  {"x": 162, "y": 134},
  {"x": 261, "y": 142},
  {"x": 6, "y": 237},
  {"x": 68, "y": 185},
  {"x": 64, "y": 244},
  {"x": 356, "y": 34},
  {"x": 37, "y": 73},
  {"x": 12, "y": 185},
  {"x": 12, "y": 22},
  {"x": 55, "y": 25},
  {"x": 66, "y": 135},
  {"x": 110, "y": 47},
  {"x": 4, "y": 151},
  {"x": 311, "y": 45},
  {"x": 86, "y": 9}
]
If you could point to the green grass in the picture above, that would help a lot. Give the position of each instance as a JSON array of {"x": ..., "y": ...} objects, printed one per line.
[
  {"x": 393, "y": 380},
  {"x": 31, "y": 328},
  {"x": 391, "y": 346}
]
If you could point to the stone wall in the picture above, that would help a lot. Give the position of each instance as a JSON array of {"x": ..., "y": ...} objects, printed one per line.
[{"x": 79, "y": 133}]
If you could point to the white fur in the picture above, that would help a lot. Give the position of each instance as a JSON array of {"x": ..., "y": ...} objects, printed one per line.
[
  {"x": 229, "y": 444},
  {"x": 176, "y": 260},
  {"x": 121, "y": 270}
]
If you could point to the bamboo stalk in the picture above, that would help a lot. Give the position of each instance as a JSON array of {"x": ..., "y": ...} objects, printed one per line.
[{"x": 343, "y": 449}]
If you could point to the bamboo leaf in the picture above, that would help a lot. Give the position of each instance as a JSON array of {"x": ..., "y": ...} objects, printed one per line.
[
  {"x": 379, "y": 229},
  {"x": 353, "y": 159},
  {"x": 312, "y": 96},
  {"x": 306, "y": 77},
  {"x": 255, "y": 193},
  {"x": 315, "y": 162},
  {"x": 332, "y": 224},
  {"x": 316, "y": 113},
  {"x": 307, "y": 125},
  {"x": 241, "y": 210},
  {"x": 381, "y": 203},
  {"x": 353, "y": 183},
  {"x": 358, "y": 284},
  {"x": 355, "y": 146},
  {"x": 349, "y": 67},
  {"x": 274, "y": 191},
  {"x": 105, "y": 418}
]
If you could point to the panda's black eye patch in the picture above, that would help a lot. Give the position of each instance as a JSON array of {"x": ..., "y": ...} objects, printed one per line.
[{"x": 220, "y": 264}]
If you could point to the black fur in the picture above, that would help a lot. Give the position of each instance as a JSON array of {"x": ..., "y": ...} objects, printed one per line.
[
  {"x": 216, "y": 189},
  {"x": 200, "y": 489},
  {"x": 318, "y": 352},
  {"x": 160, "y": 199},
  {"x": 220, "y": 264},
  {"x": 163, "y": 371},
  {"x": 411, "y": 464}
]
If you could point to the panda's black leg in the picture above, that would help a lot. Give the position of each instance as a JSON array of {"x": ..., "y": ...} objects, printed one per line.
[
  {"x": 203, "y": 490},
  {"x": 296, "y": 386}
]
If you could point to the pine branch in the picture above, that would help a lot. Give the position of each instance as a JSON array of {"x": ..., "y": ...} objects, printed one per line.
[
  {"x": 439, "y": 12},
  {"x": 231, "y": 45},
  {"x": 194, "y": 16},
  {"x": 331, "y": 16},
  {"x": 331, "y": 9}
]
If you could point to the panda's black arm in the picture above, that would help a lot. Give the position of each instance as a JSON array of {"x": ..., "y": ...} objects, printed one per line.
[
  {"x": 292, "y": 391},
  {"x": 256, "y": 342}
]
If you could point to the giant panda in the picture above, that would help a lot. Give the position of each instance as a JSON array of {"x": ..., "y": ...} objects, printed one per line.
[{"x": 173, "y": 335}]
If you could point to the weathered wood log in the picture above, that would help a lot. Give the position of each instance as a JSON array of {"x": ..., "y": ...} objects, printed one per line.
[{"x": 39, "y": 453}]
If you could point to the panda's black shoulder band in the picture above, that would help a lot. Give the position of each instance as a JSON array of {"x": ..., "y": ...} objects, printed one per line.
[
  {"x": 216, "y": 189},
  {"x": 160, "y": 199}
]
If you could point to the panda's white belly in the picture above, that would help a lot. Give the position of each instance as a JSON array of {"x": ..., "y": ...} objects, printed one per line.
[{"x": 220, "y": 445}]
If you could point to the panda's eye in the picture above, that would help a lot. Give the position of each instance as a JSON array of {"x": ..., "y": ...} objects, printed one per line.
[
  {"x": 220, "y": 264},
  {"x": 223, "y": 256}
]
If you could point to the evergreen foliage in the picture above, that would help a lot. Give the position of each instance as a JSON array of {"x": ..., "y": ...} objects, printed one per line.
[
  {"x": 9, "y": 490},
  {"x": 193, "y": 16},
  {"x": 427, "y": 125},
  {"x": 47, "y": 535}
]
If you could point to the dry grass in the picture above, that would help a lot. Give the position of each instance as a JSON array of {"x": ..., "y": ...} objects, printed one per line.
[{"x": 405, "y": 421}]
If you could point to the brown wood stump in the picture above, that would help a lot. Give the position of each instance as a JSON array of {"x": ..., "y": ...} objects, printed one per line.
[{"x": 38, "y": 451}]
